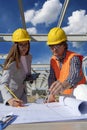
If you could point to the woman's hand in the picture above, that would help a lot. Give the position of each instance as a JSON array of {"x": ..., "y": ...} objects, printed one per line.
[{"x": 15, "y": 102}]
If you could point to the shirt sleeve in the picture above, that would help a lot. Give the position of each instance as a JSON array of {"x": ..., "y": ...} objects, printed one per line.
[
  {"x": 51, "y": 77},
  {"x": 4, "y": 81},
  {"x": 75, "y": 66}
]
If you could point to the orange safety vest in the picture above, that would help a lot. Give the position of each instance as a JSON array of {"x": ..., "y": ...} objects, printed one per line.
[{"x": 62, "y": 74}]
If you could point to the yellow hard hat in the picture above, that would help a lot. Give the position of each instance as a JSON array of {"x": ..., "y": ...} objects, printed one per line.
[
  {"x": 20, "y": 35},
  {"x": 55, "y": 36}
]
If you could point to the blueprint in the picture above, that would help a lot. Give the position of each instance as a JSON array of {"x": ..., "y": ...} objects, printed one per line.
[{"x": 67, "y": 109}]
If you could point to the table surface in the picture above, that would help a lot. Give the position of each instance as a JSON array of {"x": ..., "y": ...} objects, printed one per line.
[{"x": 72, "y": 125}]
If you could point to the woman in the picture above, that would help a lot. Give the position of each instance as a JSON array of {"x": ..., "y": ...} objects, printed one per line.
[{"x": 17, "y": 65}]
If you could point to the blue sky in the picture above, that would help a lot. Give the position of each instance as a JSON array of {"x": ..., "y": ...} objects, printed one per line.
[{"x": 40, "y": 17}]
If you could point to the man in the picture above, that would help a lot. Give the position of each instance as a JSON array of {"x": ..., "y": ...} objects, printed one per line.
[{"x": 65, "y": 66}]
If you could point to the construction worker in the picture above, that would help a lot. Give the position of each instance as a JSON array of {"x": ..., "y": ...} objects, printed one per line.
[
  {"x": 65, "y": 66},
  {"x": 17, "y": 65}
]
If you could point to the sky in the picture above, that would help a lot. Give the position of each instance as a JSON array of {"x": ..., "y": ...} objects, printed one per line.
[{"x": 40, "y": 17}]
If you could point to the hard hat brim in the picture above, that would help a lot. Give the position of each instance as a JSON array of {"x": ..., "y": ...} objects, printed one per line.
[
  {"x": 55, "y": 43},
  {"x": 23, "y": 40}
]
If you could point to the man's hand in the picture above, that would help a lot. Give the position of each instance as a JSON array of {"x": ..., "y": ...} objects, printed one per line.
[
  {"x": 50, "y": 98},
  {"x": 56, "y": 88}
]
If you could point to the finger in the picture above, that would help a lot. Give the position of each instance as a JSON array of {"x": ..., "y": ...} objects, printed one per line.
[
  {"x": 17, "y": 102},
  {"x": 53, "y": 84},
  {"x": 56, "y": 89}
]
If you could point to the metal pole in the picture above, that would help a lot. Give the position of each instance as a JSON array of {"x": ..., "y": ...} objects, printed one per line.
[
  {"x": 63, "y": 11},
  {"x": 22, "y": 13}
]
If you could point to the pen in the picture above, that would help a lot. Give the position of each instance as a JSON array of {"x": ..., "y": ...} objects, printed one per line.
[{"x": 11, "y": 92}]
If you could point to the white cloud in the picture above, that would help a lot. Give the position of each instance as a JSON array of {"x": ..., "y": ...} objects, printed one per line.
[
  {"x": 36, "y": 4},
  {"x": 77, "y": 24},
  {"x": 44, "y": 61},
  {"x": 29, "y": 14},
  {"x": 32, "y": 30},
  {"x": 47, "y": 14},
  {"x": 76, "y": 44}
]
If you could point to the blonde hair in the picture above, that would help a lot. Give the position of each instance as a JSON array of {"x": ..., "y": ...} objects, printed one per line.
[{"x": 13, "y": 55}]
